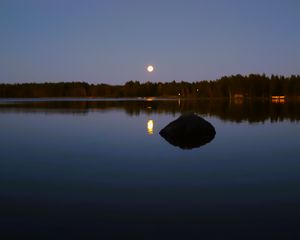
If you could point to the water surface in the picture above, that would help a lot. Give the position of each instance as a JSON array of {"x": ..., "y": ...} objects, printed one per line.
[{"x": 92, "y": 169}]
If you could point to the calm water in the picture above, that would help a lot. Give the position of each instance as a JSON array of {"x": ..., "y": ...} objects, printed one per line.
[{"x": 100, "y": 169}]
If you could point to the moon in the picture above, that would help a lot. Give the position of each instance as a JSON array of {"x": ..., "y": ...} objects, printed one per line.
[{"x": 150, "y": 68}]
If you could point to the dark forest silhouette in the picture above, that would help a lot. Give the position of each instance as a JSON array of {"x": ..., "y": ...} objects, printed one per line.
[{"x": 236, "y": 86}]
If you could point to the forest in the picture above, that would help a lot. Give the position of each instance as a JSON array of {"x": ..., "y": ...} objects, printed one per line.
[{"x": 235, "y": 86}]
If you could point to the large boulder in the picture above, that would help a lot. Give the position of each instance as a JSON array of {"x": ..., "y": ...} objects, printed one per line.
[{"x": 188, "y": 131}]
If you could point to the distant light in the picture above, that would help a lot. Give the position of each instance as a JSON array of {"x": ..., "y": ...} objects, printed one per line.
[
  {"x": 178, "y": 94},
  {"x": 150, "y": 125},
  {"x": 150, "y": 68}
]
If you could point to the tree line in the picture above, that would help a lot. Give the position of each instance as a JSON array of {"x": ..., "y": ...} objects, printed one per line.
[{"x": 247, "y": 86}]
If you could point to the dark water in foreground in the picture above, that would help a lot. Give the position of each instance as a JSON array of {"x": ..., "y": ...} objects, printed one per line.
[{"x": 90, "y": 170}]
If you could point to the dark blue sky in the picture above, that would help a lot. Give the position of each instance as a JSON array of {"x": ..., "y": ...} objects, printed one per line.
[{"x": 112, "y": 41}]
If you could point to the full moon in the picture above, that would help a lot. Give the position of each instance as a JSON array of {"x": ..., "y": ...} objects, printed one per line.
[{"x": 150, "y": 68}]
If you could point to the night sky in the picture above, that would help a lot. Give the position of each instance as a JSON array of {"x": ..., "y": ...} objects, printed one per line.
[{"x": 112, "y": 41}]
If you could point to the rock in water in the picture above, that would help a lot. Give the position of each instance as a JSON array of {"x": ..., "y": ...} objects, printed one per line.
[{"x": 188, "y": 131}]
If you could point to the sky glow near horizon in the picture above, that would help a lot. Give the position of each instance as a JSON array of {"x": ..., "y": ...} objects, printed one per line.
[{"x": 112, "y": 41}]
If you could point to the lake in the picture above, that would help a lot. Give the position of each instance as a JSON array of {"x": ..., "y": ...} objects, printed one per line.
[{"x": 99, "y": 169}]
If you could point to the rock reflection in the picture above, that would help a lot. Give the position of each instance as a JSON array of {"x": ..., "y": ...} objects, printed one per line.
[{"x": 188, "y": 131}]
